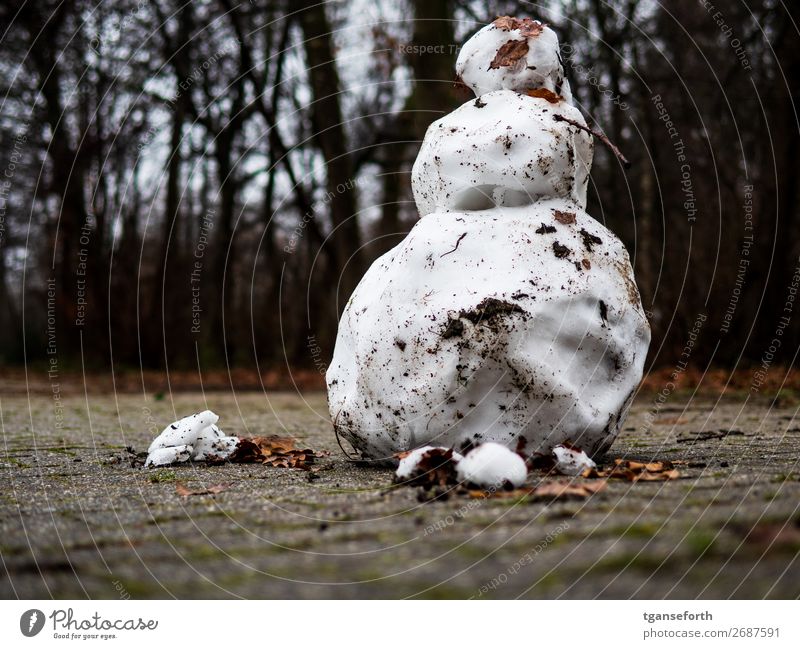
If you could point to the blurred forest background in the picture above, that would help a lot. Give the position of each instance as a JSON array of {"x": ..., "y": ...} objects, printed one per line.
[{"x": 206, "y": 181}]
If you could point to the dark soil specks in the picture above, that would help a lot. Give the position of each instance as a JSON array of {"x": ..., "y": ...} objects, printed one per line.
[
  {"x": 453, "y": 328},
  {"x": 545, "y": 229},
  {"x": 589, "y": 239},
  {"x": 560, "y": 250},
  {"x": 489, "y": 312},
  {"x": 603, "y": 311}
]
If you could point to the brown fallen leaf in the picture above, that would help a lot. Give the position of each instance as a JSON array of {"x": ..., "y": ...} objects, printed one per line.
[
  {"x": 185, "y": 492},
  {"x": 665, "y": 421},
  {"x": 549, "y": 95},
  {"x": 565, "y": 490},
  {"x": 633, "y": 471},
  {"x": 509, "y": 54},
  {"x": 559, "y": 490},
  {"x": 273, "y": 451},
  {"x": 633, "y": 465},
  {"x": 485, "y": 494},
  {"x": 664, "y": 475}
]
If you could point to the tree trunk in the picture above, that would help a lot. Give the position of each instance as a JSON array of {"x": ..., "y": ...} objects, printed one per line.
[
  {"x": 331, "y": 138},
  {"x": 433, "y": 95}
]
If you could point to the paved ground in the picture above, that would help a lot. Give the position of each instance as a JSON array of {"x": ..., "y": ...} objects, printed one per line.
[{"x": 76, "y": 523}]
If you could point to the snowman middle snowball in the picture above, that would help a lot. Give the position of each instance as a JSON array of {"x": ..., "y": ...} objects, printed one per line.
[{"x": 507, "y": 312}]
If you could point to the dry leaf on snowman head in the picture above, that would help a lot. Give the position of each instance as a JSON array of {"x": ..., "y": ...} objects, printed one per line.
[
  {"x": 528, "y": 27},
  {"x": 509, "y": 55}
]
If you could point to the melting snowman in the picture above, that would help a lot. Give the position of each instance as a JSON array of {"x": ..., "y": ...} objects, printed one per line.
[{"x": 508, "y": 314}]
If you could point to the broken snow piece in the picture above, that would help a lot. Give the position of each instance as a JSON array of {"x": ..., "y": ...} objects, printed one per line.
[
  {"x": 168, "y": 455},
  {"x": 195, "y": 437},
  {"x": 273, "y": 451},
  {"x": 492, "y": 465},
  {"x": 570, "y": 460},
  {"x": 213, "y": 444},
  {"x": 510, "y": 152},
  {"x": 428, "y": 466},
  {"x": 517, "y": 54},
  {"x": 184, "y": 431}
]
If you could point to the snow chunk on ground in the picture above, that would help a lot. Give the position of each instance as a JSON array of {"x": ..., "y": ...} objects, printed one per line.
[
  {"x": 213, "y": 443},
  {"x": 169, "y": 455},
  {"x": 571, "y": 461},
  {"x": 195, "y": 437},
  {"x": 409, "y": 465},
  {"x": 492, "y": 465}
]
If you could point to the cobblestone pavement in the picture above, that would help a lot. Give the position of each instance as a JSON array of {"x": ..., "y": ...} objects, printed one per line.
[{"x": 78, "y": 521}]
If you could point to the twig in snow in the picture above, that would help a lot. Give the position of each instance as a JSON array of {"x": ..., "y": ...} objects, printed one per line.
[
  {"x": 625, "y": 162},
  {"x": 456, "y": 246}
]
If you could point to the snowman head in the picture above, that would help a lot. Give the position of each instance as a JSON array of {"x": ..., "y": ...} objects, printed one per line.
[{"x": 518, "y": 54}]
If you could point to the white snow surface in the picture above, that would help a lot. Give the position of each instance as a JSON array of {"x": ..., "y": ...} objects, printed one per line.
[
  {"x": 555, "y": 353},
  {"x": 570, "y": 461},
  {"x": 195, "y": 437},
  {"x": 502, "y": 149},
  {"x": 540, "y": 68},
  {"x": 169, "y": 455},
  {"x": 492, "y": 465}
]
